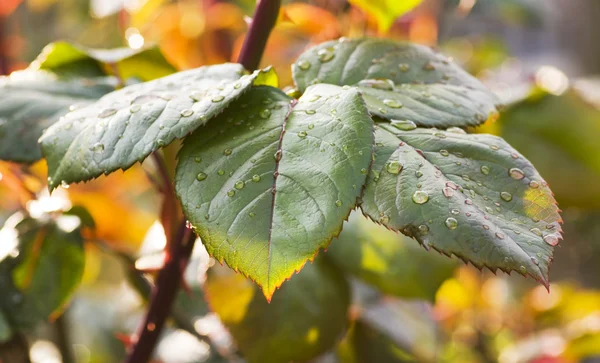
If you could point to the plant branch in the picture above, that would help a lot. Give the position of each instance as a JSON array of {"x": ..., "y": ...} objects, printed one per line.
[
  {"x": 265, "y": 16},
  {"x": 61, "y": 326},
  {"x": 4, "y": 66},
  {"x": 163, "y": 294}
]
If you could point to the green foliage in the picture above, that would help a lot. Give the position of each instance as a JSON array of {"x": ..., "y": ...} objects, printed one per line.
[
  {"x": 266, "y": 187},
  {"x": 472, "y": 196},
  {"x": 125, "y": 126},
  {"x": 304, "y": 319},
  {"x": 399, "y": 81},
  {"x": 41, "y": 266},
  {"x": 5, "y": 329},
  {"x": 386, "y": 11},
  {"x": 389, "y": 261}
]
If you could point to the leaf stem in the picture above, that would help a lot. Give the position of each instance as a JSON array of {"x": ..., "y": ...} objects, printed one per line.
[
  {"x": 265, "y": 16},
  {"x": 4, "y": 66},
  {"x": 163, "y": 294},
  {"x": 61, "y": 326}
]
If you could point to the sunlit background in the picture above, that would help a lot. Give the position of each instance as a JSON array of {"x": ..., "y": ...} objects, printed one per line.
[{"x": 542, "y": 57}]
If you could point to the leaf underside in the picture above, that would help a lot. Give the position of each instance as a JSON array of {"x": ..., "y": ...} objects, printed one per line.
[
  {"x": 305, "y": 318},
  {"x": 472, "y": 196},
  {"x": 400, "y": 81},
  {"x": 125, "y": 126},
  {"x": 269, "y": 183},
  {"x": 31, "y": 101}
]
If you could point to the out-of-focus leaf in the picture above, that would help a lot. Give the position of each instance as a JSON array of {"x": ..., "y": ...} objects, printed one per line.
[
  {"x": 5, "y": 329},
  {"x": 31, "y": 101},
  {"x": 559, "y": 134},
  {"x": 125, "y": 126},
  {"x": 363, "y": 344},
  {"x": 41, "y": 264},
  {"x": 66, "y": 58},
  {"x": 386, "y": 11},
  {"x": 304, "y": 319},
  {"x": 390, "y": 261},
  {"x": 400, "y": 81},
  {"x": 269, "y": 184},
  {"x": 472, "y": 196}
]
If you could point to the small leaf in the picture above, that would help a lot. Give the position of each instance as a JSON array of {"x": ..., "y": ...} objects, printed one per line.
[
  {"x": 391, "y": 262},
  {"x": 267, "y": 184},
  {"x": 40, "y": 266},
  {"x": 386, "y": 11},
  {"x": 31, "y": 101},
  {"x": 304, "y": 319},
  {"x": 469, "y": 195},
  {"x": 126, "y": 126},
  {"x": 399, "y": 81},
  {"x": 67, "y": 58}
]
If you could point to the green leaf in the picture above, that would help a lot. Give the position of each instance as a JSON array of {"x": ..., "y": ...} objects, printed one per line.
[
  {"x": 472, "y": 196},
  {"x": 5, "y": 329},
  {"x": 559, "y": 134},
  {"x": 269, "y": 183},
  {"x": 304, "y": 319},
  {"x": 400, "y": 81},
  {"x": 41, "y": 264},
  {"x": 389, "y": 261},
  {"x": 126, "y": 126},
  {"x": 66, "y": 58},
  {"x": 386, "y": 11},
  {"x": 31, "y": 101}
]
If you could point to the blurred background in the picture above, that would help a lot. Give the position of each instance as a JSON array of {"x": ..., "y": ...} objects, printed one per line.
[{"x": 542, "y": 57}]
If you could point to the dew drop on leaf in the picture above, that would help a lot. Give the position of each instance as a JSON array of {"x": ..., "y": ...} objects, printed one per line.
[
  {"x": 302, "y": 134},
  {"x": 506, "y": 196},
  {"x": 310, "y": 112},
  {"x": 198, "y": 159},
  {"x": 551, "y": 239},
  {"x": 392, "y": 103},
  {"x": 187, "y": 112},
  {"x": 451, "y": 223},
  {"x": 107, "y": 112},
  {"x": 97, "y": 147},
  {"x": 201, "y": 176},
  {"x": 536, "y": 231},
  {"x": 338, "y": 203},
  {"x": 382, "y": 83},
  {"x": 404, "y": 125},
  {"x": 420, "y": 197},
  {"x": 218, "y": 98},
  {"x": 135, "y": 108},
  {"x": 448, "y": 192},
  {"x": 404, "y": 67},
  {"x": 516, "y": 173},
  {"x": 221, "y": 172},
  {"x": 265, "y": 114},
  {"x": 256, "y": 178},
  {"x": 485, "y": 169},
  {"x": 304, "y": 65},
  {"x": 394, "y": 167},
  {"x": 231, "y": 193},
  {"x": 239, "y": 184},
  {"x": 534, "y": 184},
  {"x": 444, "y": 152},
  {"x": 325, "y": 55}
]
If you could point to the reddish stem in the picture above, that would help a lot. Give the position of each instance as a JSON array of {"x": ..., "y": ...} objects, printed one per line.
[
  {"x": 4, "y": 66},
  {"x": 265, "y": 16},
  {"x": 163, "y": 295}
]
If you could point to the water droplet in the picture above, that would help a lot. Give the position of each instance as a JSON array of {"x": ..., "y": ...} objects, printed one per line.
[
  {"x": 338, "y": 203},
  {"x": 500, "y": 235},
  {"x": 384, "y": 219},
  {"x": 227, "y": 152},
  {"x": 423, "y": 229},
  {"x": 64, "y": 185},
  {"x": 97, "y": 147},
  {"x": 256, "y": 178},
  {"x": 418, "y": 173},
  {"x": 197, "y": 159},
  {"x": 326, "y": 54},
  {"x": 494, "y": 147},
  {"x": 379, "y": 83},
  {"x": 311, "y": 126},
  {"x": 251, "y": 214},
  {"x": 456, "y": 130},
  {"x": 315, "y": 98},
  {"x": 231, "y": 193},
  {"x": 107, "y": 112},
  {"x": 523, "y": 270},
  {"x": 310, "y": 112},
  {"x": 506, "y": 196},
  {"x": 444, "y": 152},
  {"x": 551, "y": 239},
  {"x": 363, "y": 171},
  {"x": 394, "y": 167},
  {"x": 448, "y": 192},
  {"x": 135, "y": 108},
  {"x": 201, "y": 176},
  {"x": 534, "y": 184},
  {"x": 160, "y": 142},
  {"x": 455, "y": 212},
  {"x": 536, "y": 231},
  {"x": 428, "y": 66},
  {"x": 516, "y": 173},
  {"x": 441, "y": 135},
  {"x": 375, "y": 175},
  {"x": 420, "y": 197},
  {"x": 221, "y": 172},
  {"x": 468, "y": 202},
  {"x": 304, "y": 65},
  {"x": 265, "y": 114},
  {"x": 404, "y": 125},
  {"x": 187, "y": 112},
  {"x": 392, "y": 103},
  {"x": 218, "y": 98},
  {"x": 404, "y": 67},
  {"x": 485, "y": 169},
  {"x": 302, "y": 134},
  {"x": 451, "y": 223}
]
